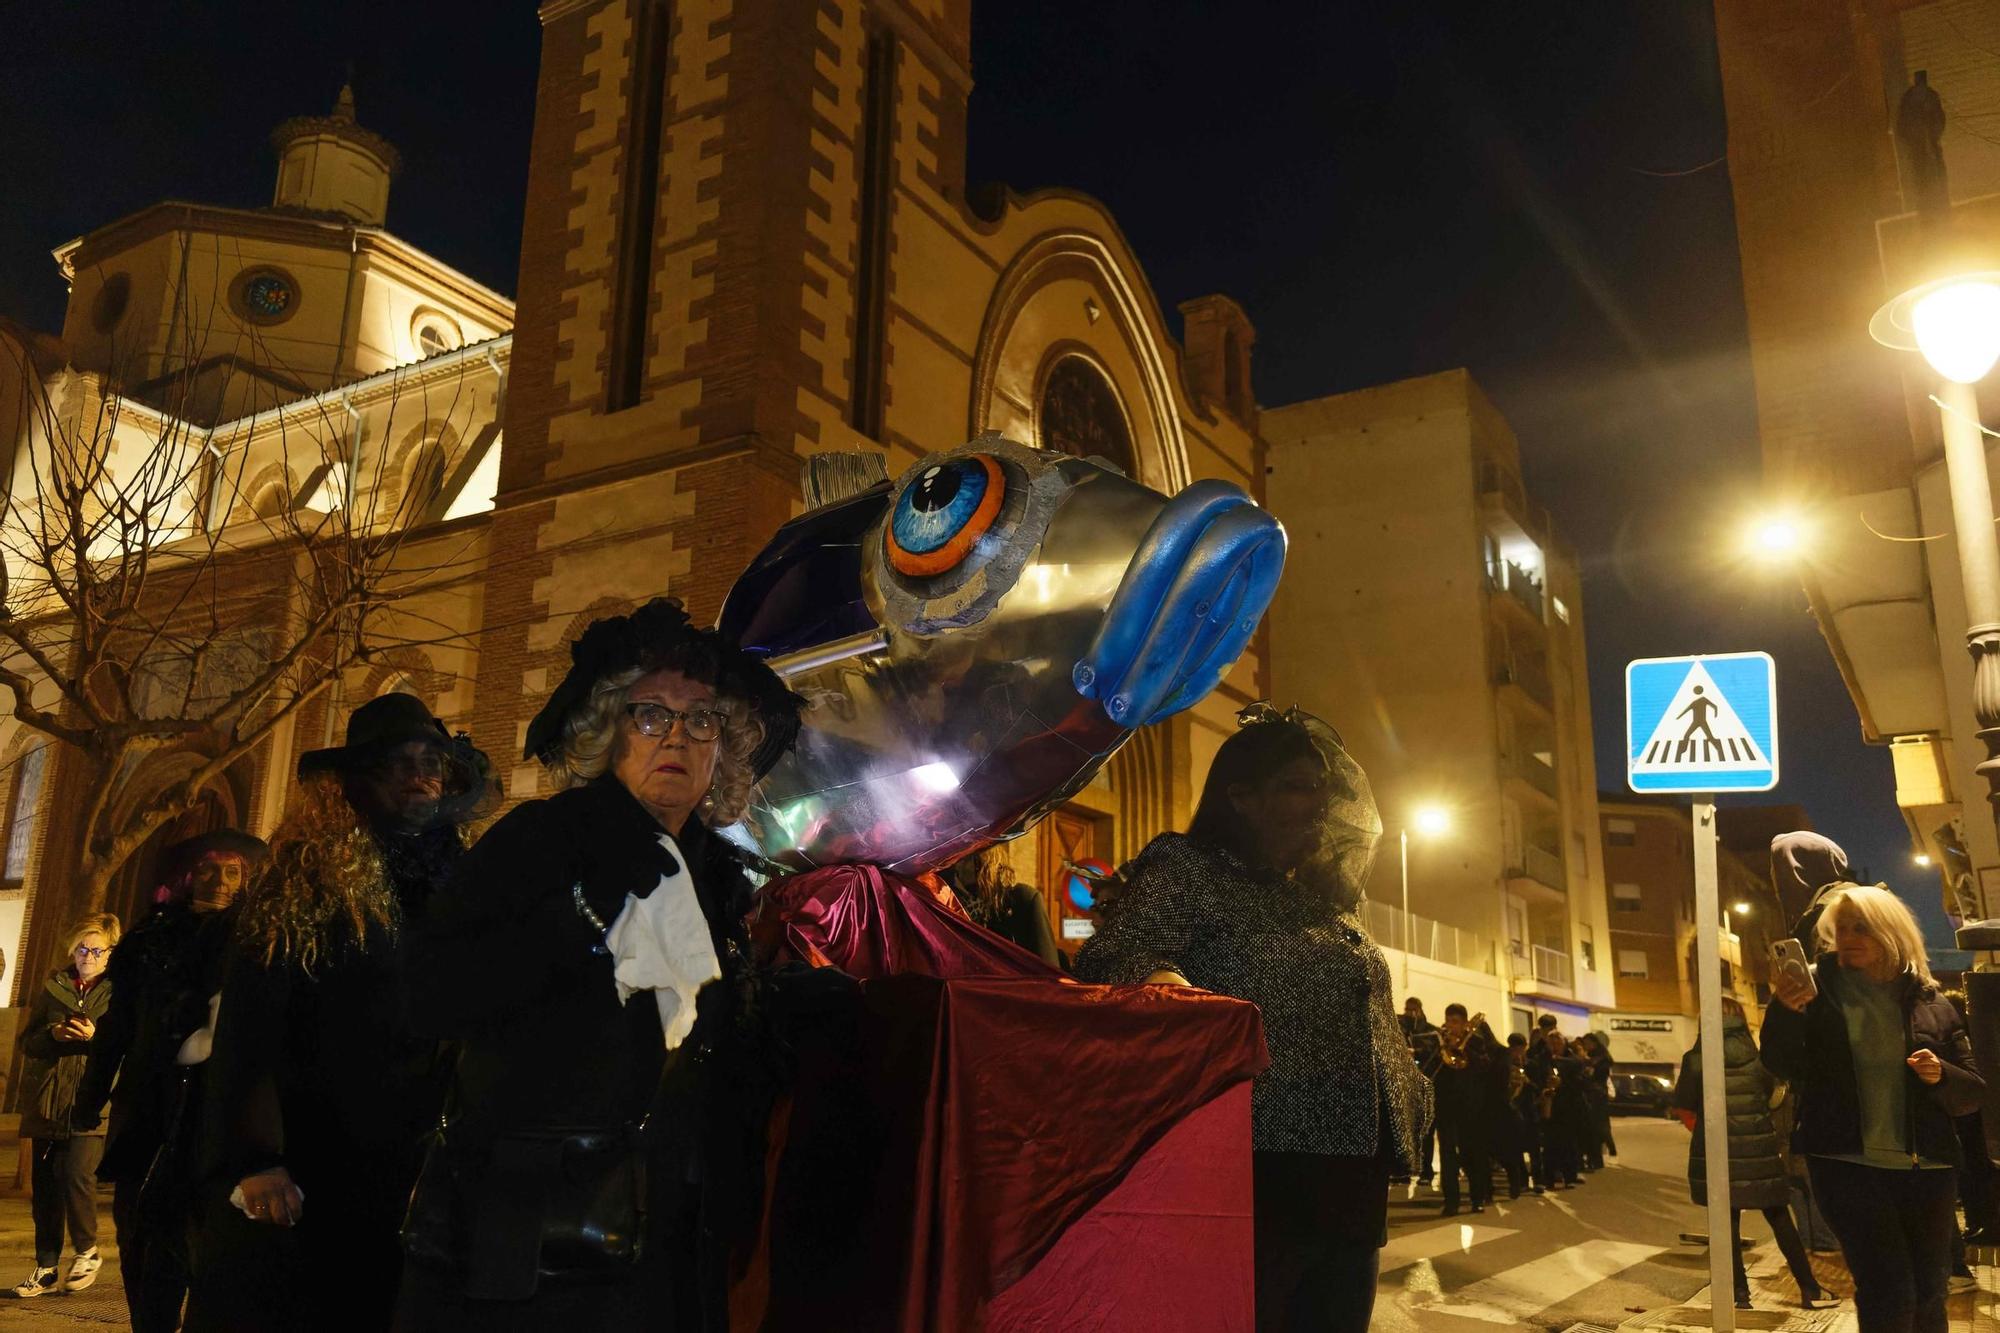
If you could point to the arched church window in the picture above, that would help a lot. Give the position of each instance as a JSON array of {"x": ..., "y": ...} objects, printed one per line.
[
  {"x": 28, "y": 774},
  {"x": 1080, "y": 414}
]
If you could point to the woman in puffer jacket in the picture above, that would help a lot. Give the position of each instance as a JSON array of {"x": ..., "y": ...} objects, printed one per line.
[
  {"x": 1756, "y": 1167},
  {"x": 1881, "y": 1063},
  {"x": 55, "y": 1040}
]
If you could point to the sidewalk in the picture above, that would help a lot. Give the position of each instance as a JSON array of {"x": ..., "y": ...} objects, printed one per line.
[
  {"x": 102, "y": 1306},
  {"x": 1775, "y": 1299}
]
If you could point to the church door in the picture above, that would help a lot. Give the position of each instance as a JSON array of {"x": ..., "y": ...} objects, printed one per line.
[{"x": 1071, "y": 835}]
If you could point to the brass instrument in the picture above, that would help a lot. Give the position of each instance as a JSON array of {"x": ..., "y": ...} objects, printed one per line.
[{"x": 1453, "y": 1052}]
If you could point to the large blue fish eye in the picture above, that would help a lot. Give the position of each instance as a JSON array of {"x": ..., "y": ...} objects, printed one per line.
[{"x": 940, "y": 514}]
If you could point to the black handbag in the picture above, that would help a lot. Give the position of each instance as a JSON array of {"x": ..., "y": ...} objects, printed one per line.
[{"x": 559, "y": 1206}]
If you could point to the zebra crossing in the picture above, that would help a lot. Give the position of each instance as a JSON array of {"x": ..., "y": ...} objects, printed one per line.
[{"x": 1412, "y": 1293}]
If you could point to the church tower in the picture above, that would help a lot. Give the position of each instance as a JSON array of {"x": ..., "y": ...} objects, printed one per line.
[
  {"x": 705, "y": 275},
  {"x": 747, "y": 240}
]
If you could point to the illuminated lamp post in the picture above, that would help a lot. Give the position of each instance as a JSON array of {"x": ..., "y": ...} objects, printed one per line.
[{"x": 1954, "y": 321}]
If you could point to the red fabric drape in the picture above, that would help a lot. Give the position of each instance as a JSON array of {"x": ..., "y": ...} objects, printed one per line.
[
  {"x": 984, "y": 1104},
  {"x": 870, "y": 923}
]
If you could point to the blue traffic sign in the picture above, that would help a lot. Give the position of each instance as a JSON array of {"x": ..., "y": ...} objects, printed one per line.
[{"x": 1702, "y": 724}]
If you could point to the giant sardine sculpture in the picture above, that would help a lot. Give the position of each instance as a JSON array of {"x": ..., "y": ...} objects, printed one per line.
[{"x": 979, "y": 636}]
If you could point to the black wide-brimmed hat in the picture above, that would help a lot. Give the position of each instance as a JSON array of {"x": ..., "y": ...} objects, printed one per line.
[
  {"x": 184, "y": 854},
  {"x": 382, "y": 725},
  {"x": 659, "y": 634},
  {"x": 374, "y": 729}
]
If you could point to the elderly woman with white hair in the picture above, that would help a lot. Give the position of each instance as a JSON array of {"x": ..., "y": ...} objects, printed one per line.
[
  {"x": 1882, "y": 1063},
  {"x": 601, "y": 1158}
]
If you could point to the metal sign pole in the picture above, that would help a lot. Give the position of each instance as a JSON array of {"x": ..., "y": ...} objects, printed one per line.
[{"x": 1714, "y": 1115}]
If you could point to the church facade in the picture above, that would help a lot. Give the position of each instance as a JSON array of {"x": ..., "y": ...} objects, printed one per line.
[{"x": 748, "y": 239}]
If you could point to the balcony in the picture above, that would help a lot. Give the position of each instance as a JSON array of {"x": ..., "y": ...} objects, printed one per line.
[
  {"x": 1428, "y": 939},
  {"x": 1506, "y": 501},
  {"x": 1537, "y": 775},
  {"x": 1551, "y": 966},
  {"x": 1528, "y": 677},
  {"x": 1536, "y": 874},
  {"x": 1517, "y": 588}
]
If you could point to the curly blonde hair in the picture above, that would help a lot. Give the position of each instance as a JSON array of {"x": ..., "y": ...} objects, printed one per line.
[
  {"x": 324, "y": 867},
  {"x": 590, "y": 739}
]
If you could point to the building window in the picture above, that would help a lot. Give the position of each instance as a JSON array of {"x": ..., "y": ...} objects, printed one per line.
[
  {"x": 434, "y": 333},
  {"x": 1626, "y": 898},
  {"x": 1587, "y": 948},
  {"x": 265, "y": 295},
  {"x": 1632, "y": 963},
  {"x": 112, "y": 299},
  {"x": 21, "y": 815},
  {"x": 1621, "y": 833},
  {"x": 1080, "y": 415}
]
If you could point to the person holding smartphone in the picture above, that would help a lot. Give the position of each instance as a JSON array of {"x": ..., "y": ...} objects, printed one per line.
[
  {"x": 1884, "y": 1063},
  {"x": 55, "y": 1044}
]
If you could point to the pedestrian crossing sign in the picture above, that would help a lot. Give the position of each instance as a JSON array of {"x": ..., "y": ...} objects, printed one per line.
[{"x": 1702, "y": 724}]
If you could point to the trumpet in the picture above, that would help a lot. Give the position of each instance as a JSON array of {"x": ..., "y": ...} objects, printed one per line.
[
  {"x": 1453, "y": 1052},
  {"x": 1547, "y": 1101}
]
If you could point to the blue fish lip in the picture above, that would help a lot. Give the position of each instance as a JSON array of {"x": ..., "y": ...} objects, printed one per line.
[{"x": 1202, "y": 578}]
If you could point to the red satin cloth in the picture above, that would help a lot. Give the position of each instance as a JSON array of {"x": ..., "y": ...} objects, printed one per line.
[
  {"x": 870, "y": 923},
  {"x": 981, "y": 1106},
  {"x": 1171, "y": 1248}
]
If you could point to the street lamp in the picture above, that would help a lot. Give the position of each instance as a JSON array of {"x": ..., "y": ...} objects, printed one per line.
[
  {"x": 1922, "y": 860},
  {"x": 1955, "y": 322},
  {"x": 1776, "y": 537},
  {"x": 1741, "y": 909},
  {"x": 1431, "y": 821}
]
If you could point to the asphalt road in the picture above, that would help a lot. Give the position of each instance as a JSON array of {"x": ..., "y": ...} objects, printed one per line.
[{"x": 1597, "y": 1254}]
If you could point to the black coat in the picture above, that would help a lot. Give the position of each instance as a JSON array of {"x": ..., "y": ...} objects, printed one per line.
[
  {"x": 1756, "y": 1168},
  {"x": 321, "y": 1071},
  {"x": 161, "y": 975},
  {"x": 1810, "y": 1051},
  {"x": 1464, "y": 1098},
  {"x": 504, "y": 965}
]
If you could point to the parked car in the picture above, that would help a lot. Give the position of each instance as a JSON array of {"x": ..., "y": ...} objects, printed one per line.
[{"x": 1640, "y": 1094}]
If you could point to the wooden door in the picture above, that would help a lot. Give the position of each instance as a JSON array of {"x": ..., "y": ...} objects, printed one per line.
[{"x": 1069, "y": 836}]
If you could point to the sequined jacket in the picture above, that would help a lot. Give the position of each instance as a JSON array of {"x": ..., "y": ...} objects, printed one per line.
[{"x": 1341, "y": 1080}]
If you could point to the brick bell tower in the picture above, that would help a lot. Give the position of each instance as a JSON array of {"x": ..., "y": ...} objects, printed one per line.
[{"x": 705, "y": 265}]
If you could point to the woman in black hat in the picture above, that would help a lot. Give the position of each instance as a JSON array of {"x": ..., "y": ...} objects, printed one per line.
[
  {"x": 319, "y": 1092},
  {"x": 161, "y": 974},
  {"x": 590, "y": 958}
]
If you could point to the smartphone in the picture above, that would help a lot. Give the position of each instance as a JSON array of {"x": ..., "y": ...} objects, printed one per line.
[{"x": 1788, "y": 958}]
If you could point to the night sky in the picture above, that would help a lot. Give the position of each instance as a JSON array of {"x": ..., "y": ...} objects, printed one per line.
[{"x": 1534, "y": 192}]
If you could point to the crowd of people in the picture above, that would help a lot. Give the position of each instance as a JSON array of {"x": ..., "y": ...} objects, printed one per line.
[
  {"x": 393, "y": 1072},
  {"x": 1536, "y": 1109},
  {"x": 1853, "y": 1118}
]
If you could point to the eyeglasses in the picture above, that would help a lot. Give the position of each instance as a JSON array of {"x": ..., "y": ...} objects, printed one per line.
[
  {"x": 85, "y": 951},
  {"x": 701, "y": 724}
]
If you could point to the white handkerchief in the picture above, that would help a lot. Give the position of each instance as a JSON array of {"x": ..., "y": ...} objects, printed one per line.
[{"x": 660, "y": 943}]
